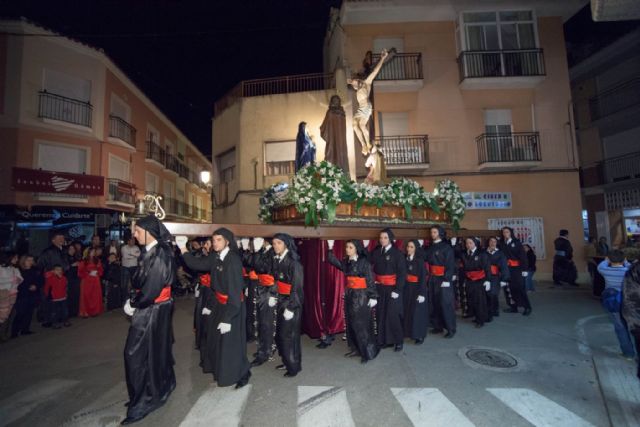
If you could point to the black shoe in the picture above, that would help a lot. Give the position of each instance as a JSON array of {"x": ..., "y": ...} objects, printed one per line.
[
  {"x": 466, "y": 316},
  {"x": 479, "y": 325},
  {"x": 352, "y": 353},
  {"x": 27, "y": 333},
  {"x": 436, "y": 330},
  {"x": 290, "y": 374},
  {"x": 511, "y": 310},
  {"x": 257, "y": 362},
  {"x": 323, "y": 345},
  {"x": 527, "y": 311},
  {"x": 130, "y": 420},
  {"x": 450, "y": 334},
  {"x": 281, "y": 367},
  {"x": 364, "y": 361},
  {"x": 67, "y": 324},
  {"x": 496, "y": 314},
  {"x": 397, "y": 347},
  {"x": 46, "y": 325},
  {"x": 244, "y": 380},
  {"x": 419, "y": 341},
  {"x": 251, "y": 339},
  {"x": 490, "y": 319},
  {"x": 56, "y": 327}
]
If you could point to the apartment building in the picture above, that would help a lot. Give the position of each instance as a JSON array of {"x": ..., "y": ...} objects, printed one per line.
[
  {"x": 81, "y": 143},
  {"x": 478, "y": 92}
]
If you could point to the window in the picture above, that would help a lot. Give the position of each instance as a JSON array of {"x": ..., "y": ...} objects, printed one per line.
[
  {"x": 67, "y": 85},
  {"x": 153, "y": 135},
  {"x": 280, "y": 158},
  {"x": 504, "y": 30},
  {"x": 62, "y": 158},
  {"x": 118, "y": 168},
  {"x": 65, "y": 98},
  {"x": 227, "y": 165},
  {"x": 151, "y": 183},
  {"x": 168, "y": 189},
  {"x": 393, "y": 124},
  {"x": 499, "y": 138},
  {"x": 120, "y": 109}
]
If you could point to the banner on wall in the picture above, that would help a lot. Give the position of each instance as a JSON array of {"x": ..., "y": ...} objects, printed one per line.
[
  {"x": 529, "y": 230},
  {"x": 487, "y": 200}
]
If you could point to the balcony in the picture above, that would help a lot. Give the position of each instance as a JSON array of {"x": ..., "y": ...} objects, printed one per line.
[
  {"x": 63, "y": 109},
  {"x": 517, "y": 150},
  {"x": 154, "y": 153},
  {"x": 501, "y": 69},
  {"x": 621, "y": 99},
  {"x": 405, "y": 154},
  {"x": 623, "y": 168},
  {"x": 121, "y": 193},
  {"x": 403, "y": 73},
  {"x": 179, "y": 209},
  {"x": 121, "y": 132}
]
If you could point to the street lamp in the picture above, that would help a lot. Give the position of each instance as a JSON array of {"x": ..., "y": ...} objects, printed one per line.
[{"x": 205, "y": 177}]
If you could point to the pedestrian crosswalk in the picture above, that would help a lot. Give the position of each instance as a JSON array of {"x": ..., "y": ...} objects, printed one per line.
[{"x": 316, "y": 406}]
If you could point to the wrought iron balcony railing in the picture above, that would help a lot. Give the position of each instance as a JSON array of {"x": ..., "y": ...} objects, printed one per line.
[
  {"x": 404, "y": 149},
  {"x": 121, "y": 129},
  {"x": 618, "y": 98},
  {"x": 403, "y": 66},
  {"x": 622, "y": 168},
  {"x": 508, "y": 147},
  {"x": 58, "y": 107},
  {"x": 501, "y": 63},
  {"x": 155, "y": 152},
  {"x": 120, "y": 191}
]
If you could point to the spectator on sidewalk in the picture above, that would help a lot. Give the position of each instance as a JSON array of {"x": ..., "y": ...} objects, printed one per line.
[
  {"x": 73, "y": 291},
  {"x": 112, "y": 283},
  {"x": 28, "y": 296},
  {"x": 55, "y": 289},
  {"x": 631, "y": 305},
  {"x": 130, "y": 253},
  {"x": 603, "y": 247},
  {"x": 90, "y": 271},
  {"x": 531, "y": 267},
  {"x": 10, "y": 279},
  {"x": 590, "y": 252},
  {"x": 53, "y": 255},
  {"x": 613, "y": 269}
]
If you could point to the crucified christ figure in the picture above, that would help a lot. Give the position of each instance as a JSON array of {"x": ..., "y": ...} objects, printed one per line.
[{"x": 362, "y": 116}]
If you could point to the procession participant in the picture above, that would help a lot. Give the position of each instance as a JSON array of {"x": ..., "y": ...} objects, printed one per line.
[
  {"x": 390, "y": 269},
  {"x": 442, "y": 268},
  {"x": 289, "y": 275},
  {"x": 202, "y": 295},
  {"x": 359, "y": 298},
  {"x": 564, "y": 269},
  {"x": 147, "y": 355},
  {"x": 416, "y": 310},
  {"x": 498, "y": 278},
  {"x": 517, "y": 262},
  {"x": 225, "y": 346},
  {"x": 477, "y": 272},
  {"x": 250, "y": 282},
  {"x": 266, "y": 299}
]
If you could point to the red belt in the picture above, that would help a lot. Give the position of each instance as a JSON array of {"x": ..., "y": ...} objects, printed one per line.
[
  {"x": 165, "y": 295},
  {"x": 411, "y": 278},
  {"x": 475, "y": 274},
  {"x": 253, "y": 275},
  {"x": 284, "y": 288},
  {"x": 513, "y": 263},
  {"x": 386, "y": 279},
  {"x": 436, "y": 270},
  {"x": 223, "y": 298},
  {"x": 495, "y": 270},
  {"x": 355, "y": 282},
  {"x": 244, "y": 272},
  {"x": 266, "y": 279},
  {"x": 205, "y": 280}
]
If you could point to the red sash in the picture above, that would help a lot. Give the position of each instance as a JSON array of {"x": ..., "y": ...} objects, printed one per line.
[
  {"x": 436, "y": 270},
  {"x": 284, "y": 288},
  {"x": 222, "y": 298},
  {"x": 386, "y": 279},
  {"x": 205, "y": 280},
  {"x": 165, "y": 295},
  {"x": 253, "y": 275},
  {"x": 475, "y": 275},
  {"x": 244, "y": 272},
  {"x": 411, "y": 278},
  {"x": 355, "y": 282},
  {"x": 266, "y": 279},
  {"x": 495, "y": 270},
  {"x": 513, "y": 263}
]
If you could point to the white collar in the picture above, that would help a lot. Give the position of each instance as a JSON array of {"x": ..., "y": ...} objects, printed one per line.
[
  {"x": 353, "y": 258},
  {"x": 151, "y": 245},
  {"x": 493, "y": 251},
  {"x": 509, "y": 241},
  {"x": 410, "y": 257},
  {"x": 473, "y": 251},
  {"x": 386, "y": 248},
  {"x": 284, "y": 254},
  {"x": 437, "y": 241},
  {"x": 267, "y": 247},
  {"x": 223, "y": 253}
]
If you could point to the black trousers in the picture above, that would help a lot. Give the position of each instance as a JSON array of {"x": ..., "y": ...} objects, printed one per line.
[
  {"x": 443, "y": 308},
  {"x": 24, "y": 308},
  {"x": 517, "y": 288},
  {"x": 288, "y": 340},
  {"x": 477, "y": 300},
  {"x": 266, "y": 317}
]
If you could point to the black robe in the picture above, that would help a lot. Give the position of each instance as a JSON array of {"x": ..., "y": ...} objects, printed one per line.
[
  {"x": 477, "y": 262},
  {"x": 148, "y": 358},
  {"x": 289, "y": 271},
  {"x": 224, "y": 355},
  {"x": 442, "y": 298},
  {"x": 499, "y": 274},
  {"x": 389, "y": 310},
  {"x": 564, "y": 270},
  {"x": 250, "y": 294},
  {"x": 514, "y": 251},
  {"x": 262, "y": 263},
  {"x": 359, "y": 325},
  {"x": 416, "y": 315}
]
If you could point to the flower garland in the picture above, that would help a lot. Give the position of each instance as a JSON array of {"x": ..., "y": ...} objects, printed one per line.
[
  {"x": 451, "y": 200},
  {"x": 273, "y": 197}
]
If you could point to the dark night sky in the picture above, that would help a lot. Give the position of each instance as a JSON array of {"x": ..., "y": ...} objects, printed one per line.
[{"x": 186, "y": 54}]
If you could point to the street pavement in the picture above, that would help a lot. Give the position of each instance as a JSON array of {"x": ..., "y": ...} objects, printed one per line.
[{"x": 568, "y": 373}]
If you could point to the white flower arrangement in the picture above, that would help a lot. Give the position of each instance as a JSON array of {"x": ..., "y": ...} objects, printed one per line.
[{"x": 451, "y": 200}]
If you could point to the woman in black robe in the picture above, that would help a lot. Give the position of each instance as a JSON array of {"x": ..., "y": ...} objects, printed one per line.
[
  {"x": 289, "y": 276},
  {"x": 147, "y": 354},
  {"x": 360, "y": 297},
  {"x": 416, "y": 311},
  {"x": 477, "y": 272},
  {"x": 390, "y": 269},
  {"x": 564, "y": 270},
  {"x": 499, "y": 278},
  {"x": 512, "y": 248},
  {"x": 225, "y": 345},
  {"x": 266, "y": 299}
]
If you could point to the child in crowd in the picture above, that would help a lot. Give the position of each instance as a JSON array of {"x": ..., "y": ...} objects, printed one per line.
[{"x": 55, "y": 289}]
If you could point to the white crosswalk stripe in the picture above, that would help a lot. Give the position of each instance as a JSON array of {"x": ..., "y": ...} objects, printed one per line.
[
  {"x": 323, "y": 406},
  {"x": 106, "y": 411},
  {"x": 429, "y": 407},
  {"x": 537, "y": 409},
  {"x": 221, "y": 407},
  {"x": 21, "y": 403}
]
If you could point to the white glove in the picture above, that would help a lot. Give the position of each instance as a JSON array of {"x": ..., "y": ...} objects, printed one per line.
[
  {"x": 288, "y": 315},
  {"x": 525, "y": 273},
  {"x": 239, "y": 243},
  {"x": 421, "y": 299},
  {"x": 503, "y": 284},
  {"x": 330, "y": 244},
  {"x": 487, "y": 286},
  {"x": 224, "y": 328},
  {"x": 372, "y": 303},
  {"x": 128, "y": 309},
  {"x": 257, "y": 243},
  {"x": 197, "y": 293},
  {"x": 272, "y": 301},
  {"x": 445, "y": 284},
  {"x": 206, "y": 311},
  {"x": 454, "y": 277},
  {"x": 94, "y": 273},
  {"x": 421, "y": 241},
  {"x": 246, "y": 292},
  {"x": 453, "y": 241},
  {"x": 395, "y": 295},
  {"x": 245, "y": 243},
  {"x": 181, "y": 241},
  {"x": 366, "y": 243}
]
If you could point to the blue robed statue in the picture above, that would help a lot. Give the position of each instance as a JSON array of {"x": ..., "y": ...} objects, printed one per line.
[{"x": 305, "y": 148}]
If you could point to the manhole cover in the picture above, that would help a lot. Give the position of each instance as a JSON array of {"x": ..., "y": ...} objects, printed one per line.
[{"x": 491, "y": 358}]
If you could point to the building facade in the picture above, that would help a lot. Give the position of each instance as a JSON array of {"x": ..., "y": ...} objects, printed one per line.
[
  {"x": 478, "y": 93},
  {"x": 81, "y": 143},
  {"x": 606, "y": 96}
]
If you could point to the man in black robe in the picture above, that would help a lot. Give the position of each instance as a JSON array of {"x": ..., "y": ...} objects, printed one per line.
[
  {"x": 564, "y": 270},
  {"x": 442, "y": 268},
  {"x": 517, "y": 262},
  {"x": 499, "y": 277},
  {"x": 477, "y": 272},
  {"x": 147, "y": 354},
  {"x": 225, "y": 353},
  {"x": 289, "y": 276},
  {"x": 416, "y": 312},
  {"x": 390, "y": 270},
  {"x": 266, "y": 299},
  {"x": 250, "y": 282}
]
